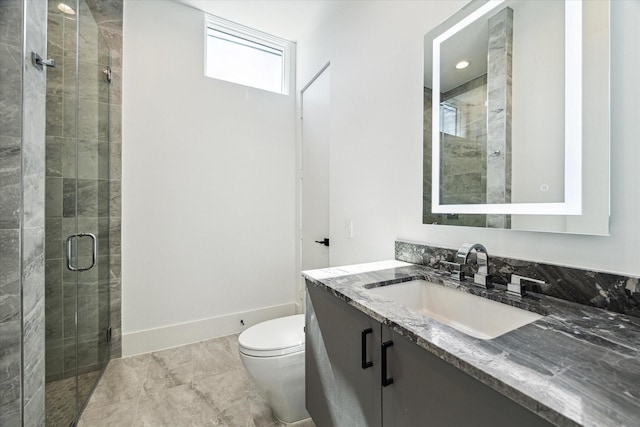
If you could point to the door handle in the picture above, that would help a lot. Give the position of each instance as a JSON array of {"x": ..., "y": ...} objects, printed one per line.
[
  {"x": 323, "y": 242},
  {"x": 93, "y": 252},
  {"x": 385, "y": 380},
  {"x": 365, "y": 363}
]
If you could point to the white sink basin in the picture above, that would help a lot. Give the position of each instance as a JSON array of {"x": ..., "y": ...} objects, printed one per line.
[{"x": 476, "y": 316}]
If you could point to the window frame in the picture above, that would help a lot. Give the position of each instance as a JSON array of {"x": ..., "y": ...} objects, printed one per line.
[
  {"x": 451, "y": 109},
  {"x": 252, "y": 36}
]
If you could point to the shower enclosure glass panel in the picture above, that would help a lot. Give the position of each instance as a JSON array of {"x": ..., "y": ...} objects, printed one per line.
[{"x": 77, "y": 210}]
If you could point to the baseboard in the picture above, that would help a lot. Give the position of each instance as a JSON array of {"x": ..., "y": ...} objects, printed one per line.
[{"x": 186, "y": 333}]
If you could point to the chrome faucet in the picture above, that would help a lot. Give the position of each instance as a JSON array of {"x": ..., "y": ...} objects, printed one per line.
[{"x": 481, "y": 277}]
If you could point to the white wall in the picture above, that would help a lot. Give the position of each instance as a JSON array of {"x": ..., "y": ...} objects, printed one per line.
[
  {"x": 375, "y": 49},
  {"x": 208, "y": 187},
  {"x": 538, "y": 157},
  {"x": 538, "y": 61}
]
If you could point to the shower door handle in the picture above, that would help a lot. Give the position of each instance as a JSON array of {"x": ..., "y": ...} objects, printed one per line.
[{"x": 94, "y": 251}]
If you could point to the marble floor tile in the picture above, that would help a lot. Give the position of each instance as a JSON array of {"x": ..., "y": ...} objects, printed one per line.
[
  {"x": 196, "y": 385},
  {"x": 60, "y": 401},
  {"x": 60, "y": 398}
]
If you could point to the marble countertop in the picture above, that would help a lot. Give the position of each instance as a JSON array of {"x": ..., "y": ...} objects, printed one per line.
[{"x": 577, "y": 366}]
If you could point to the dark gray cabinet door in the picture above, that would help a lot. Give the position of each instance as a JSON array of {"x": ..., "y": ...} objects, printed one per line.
[
  {"x": 429, "y": 392},
  {"x": 339, "y": 392}
]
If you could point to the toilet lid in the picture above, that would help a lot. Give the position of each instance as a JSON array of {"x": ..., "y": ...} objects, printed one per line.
[{"x": 276, "y": 337}]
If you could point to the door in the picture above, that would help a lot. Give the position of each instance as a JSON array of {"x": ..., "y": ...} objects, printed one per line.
[
  {"x": 342, "y": 363},
  {"x": 92, "y": 203},
  {"x": 424, "y": 390},
  {"x": 316, "y": 103},
  {"x": 76, "y": 212}
]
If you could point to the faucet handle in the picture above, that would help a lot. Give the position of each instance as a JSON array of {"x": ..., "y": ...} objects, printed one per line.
[
  {"x": 517, "y": 288},
  {"x": 456, "y": 271},
  {"x": 483, "y": 280}
]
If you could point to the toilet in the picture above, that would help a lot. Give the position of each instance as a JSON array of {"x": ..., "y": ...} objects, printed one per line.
[{"x": 273, "y": 354}]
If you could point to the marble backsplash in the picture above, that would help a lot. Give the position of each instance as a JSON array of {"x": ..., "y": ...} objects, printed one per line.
[{"x": 620, "y": 294}]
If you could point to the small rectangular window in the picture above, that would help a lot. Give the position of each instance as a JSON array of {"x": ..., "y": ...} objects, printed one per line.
[
  {"x": 241, "y": 55},
  {"x": 448, "y": 119}
]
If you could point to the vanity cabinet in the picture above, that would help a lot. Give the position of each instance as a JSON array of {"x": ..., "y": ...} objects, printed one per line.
[
  {"x": 417, "y": 389},
  {"x": 339, "y": 392}
]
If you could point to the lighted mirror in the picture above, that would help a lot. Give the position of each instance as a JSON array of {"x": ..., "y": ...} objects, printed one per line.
[{"x": 522, "y": 129}]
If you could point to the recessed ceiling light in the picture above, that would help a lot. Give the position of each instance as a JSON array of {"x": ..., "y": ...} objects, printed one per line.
[
  {"x": 462, "y": 64},
  {"x": 64, "y": 8}
]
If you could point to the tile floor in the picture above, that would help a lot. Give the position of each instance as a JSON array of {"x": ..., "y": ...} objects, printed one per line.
[
  {"x": 60, "y": 398},
  {"x": 201, "y": 384}
]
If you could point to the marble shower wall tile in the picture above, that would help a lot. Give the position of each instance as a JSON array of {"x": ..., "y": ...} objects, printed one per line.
[
  {"x": 33, "y": 195},
  {"x": 53, "y": 153},
  {"x": 34, "y": 409},
  {"x": 67, "y": 117},
  {"x": 108, "y": 14},
  {"x": 90, "y": 82},
  {"x": 11, "y": 23},
  {"x": 115, "y": 124},
  {"x": 498, "y": 183},
  {"x": 93, "y": 120},
  {"x": 33, "y": 265},
  {"x": 113, "y": 36},
  {"x": 53, "y": 198},
  {"x": 115, "y": 195},
  {"x": 33, "y": 269},
  {"x": 93, "y": 124},
  {"x": 115, "y": 162},
  {"x": 10, "y": 325},
  {"x": 10, "y": 181},
  {"x": 54, "y": 115},
  {"x": 22, "y": 168},
  {"x": 115, "y": 295},
  {"x": 10, "y": 67},
  {"x": 613, "y": 292},
  {"x": 115, "y": 239},
  {"x": 55, "y": 49},
  {"x": 10, "y": 211},
  {"x": 55, "y": 244},
  {"x": 462, "y": 157}
]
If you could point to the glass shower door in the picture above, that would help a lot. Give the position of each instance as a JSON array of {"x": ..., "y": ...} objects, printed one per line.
[
  {"x": 76, "y": 210},
  {"x": 92, "y": 203}
]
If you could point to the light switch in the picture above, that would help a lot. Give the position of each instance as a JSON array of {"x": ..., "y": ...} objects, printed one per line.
[{"x": 349, "y": 229}]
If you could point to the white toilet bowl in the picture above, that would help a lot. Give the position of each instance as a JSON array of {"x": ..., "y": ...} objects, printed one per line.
[{"x": 273, "y": 354}]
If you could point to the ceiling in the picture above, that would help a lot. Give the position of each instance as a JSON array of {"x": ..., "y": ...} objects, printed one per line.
[
  {"x": 471, "y": 44},
  {"x": 287, "y": 19}
]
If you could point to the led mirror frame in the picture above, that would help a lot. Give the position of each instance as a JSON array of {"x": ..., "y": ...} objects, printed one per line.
[{"x": 573, "y": 123}]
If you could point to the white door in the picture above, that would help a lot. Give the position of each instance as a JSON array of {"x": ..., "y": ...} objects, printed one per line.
[{"x": 315, "y": 172}]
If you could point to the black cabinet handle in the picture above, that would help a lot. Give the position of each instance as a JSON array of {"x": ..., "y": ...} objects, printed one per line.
[
  {"x": 385, "y": 381},
  {"x": 365, "y": 364}
]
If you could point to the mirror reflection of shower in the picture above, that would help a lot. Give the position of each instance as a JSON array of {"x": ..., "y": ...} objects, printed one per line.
[{"x": 475, "y": 157}]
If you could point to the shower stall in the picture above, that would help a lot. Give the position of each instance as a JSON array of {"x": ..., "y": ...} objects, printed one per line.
[
  {"x": 60, "y": 155},
  {"x": 77, "y": 326}
]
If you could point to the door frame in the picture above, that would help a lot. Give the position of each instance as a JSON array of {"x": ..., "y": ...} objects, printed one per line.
[{"x": 300, "y": 286}]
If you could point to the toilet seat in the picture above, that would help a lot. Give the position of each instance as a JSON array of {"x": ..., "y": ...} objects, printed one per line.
[{"x": 275, "y": 337}]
